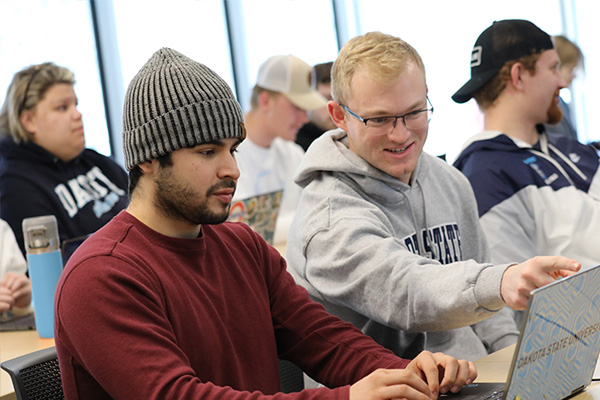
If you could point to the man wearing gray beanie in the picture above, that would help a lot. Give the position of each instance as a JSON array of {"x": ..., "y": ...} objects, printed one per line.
[{"x": 168, "y": 302}]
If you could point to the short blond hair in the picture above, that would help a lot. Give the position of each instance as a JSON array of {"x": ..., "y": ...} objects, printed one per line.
[
  {"x": 26, "y": 89},
  {"x": 384, "y": 56},
  {"x": 568, "y": 52}
]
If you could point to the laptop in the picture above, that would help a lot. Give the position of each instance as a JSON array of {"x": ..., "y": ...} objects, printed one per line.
[
  {"x": 17, "y": 322},
  {"x": 557, "y": 351},
  {"x": 259, "y": 212}
]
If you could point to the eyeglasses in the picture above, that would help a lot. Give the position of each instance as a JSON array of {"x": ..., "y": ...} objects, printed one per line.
[{"x": 413, "y": 120}]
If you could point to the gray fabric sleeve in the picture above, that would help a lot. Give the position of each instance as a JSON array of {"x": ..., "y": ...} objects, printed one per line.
[{"x": 362, "y": 268}]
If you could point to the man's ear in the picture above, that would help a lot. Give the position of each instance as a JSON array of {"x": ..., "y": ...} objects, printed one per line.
[
  {"x": 149, "y": 167},
  {"x": 264, "y": 100},
  {"x": 516, "y": 75},
  {"x": 338, "y": 115}
]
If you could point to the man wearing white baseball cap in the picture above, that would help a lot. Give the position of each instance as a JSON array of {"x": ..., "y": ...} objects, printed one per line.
[{"x": 268, "y": 158}]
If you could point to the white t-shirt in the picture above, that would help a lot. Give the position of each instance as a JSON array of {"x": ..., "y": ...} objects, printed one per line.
[
  {"x": 11, "y": 258},
  {"x": 267, "y": 169}
]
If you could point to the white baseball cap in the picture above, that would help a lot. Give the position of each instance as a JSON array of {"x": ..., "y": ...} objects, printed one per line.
[{"x": 291, "y": 77}]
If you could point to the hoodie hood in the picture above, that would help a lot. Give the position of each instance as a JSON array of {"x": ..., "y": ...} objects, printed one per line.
[
  {"x": 330, "y": 153},
  {"x": 488, "y": 140}
]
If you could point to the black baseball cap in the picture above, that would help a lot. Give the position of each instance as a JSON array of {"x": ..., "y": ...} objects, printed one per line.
[{"x": 501, "y": 42}]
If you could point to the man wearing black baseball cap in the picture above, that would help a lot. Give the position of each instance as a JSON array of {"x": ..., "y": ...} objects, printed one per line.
[
  {"x": 536, "y": 195},
  {"x": 502, "y": 42}
]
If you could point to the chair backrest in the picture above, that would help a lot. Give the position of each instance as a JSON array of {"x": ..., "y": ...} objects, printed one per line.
[
  {"x": 292, "y": 377},
  {"x": 36, "y": 375}
]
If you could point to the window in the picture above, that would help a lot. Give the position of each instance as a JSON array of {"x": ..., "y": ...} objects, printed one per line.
[
  {"x": 195, "y": 28},
  {"x": 36, "y": 31},
  {"x": 587, "y": 82},
  {"x": 303, "y": 28},
  {"x": 445, "y": 46}
]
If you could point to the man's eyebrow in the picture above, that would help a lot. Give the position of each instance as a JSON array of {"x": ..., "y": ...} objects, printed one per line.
[
  {"x": 218, "y": 142},
  {"x": 415, "y": 106}
]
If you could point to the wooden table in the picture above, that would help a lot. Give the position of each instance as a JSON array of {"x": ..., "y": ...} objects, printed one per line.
[
  {"x": 495, "y": 367},
  {"x": 15, "y": 344}
]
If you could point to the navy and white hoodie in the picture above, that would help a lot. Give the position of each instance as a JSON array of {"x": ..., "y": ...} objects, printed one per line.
[
  {"x": 406, "y": 264},
  {"x": 83, "y": 194},
  {"x": 535, "y": 200}
]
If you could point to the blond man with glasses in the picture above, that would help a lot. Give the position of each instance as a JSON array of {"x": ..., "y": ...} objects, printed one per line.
[{"x": 386, "y": 236}]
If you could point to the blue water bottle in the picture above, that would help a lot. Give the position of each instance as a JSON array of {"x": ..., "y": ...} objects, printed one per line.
[{"x": 45, "y": 265}]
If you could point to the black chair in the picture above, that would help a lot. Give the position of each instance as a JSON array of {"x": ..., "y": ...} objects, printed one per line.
[
  {"x": 292, "y": 377},
  {"x": 36, "y": 375}
]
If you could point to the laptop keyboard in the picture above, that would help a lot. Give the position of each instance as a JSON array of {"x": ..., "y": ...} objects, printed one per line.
[
  {"x": 494, "y": 396},
  {"x": 481, "y": 391}
]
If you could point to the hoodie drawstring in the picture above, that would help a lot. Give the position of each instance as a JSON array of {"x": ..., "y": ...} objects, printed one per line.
[{"x": 545, "y": 152}]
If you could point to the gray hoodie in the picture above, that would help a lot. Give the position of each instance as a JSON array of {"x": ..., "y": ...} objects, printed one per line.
[{"x": 397, "y": 260}]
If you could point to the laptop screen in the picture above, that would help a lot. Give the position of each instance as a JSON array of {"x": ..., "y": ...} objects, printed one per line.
[
  {"x": 559, "y": 343},
  {"x": 259, "y": 212}
]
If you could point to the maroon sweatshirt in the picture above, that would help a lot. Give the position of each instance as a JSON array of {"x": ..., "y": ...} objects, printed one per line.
[{"x": 140, "y": 315}]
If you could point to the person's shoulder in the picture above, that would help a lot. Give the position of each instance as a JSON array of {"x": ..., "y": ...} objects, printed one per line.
[
  {"x": 230, "y": 230},
  {"x": 110, "y": 234},
  {"x": 570, "y": 145},
  {"x": 24, "y": 158},
  {"x": 497, "y": 157},
  {"x": 249, "y": 153},
  {"x": 236, "y": 237},
  {"x": 93, "y": 158},
  {"x": 438, "y": 165},
  {"x": 91, "y": 154},
  {"x": 445, "y": 176}
]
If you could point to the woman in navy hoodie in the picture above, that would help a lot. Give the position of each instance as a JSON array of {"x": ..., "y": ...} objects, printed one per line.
[{"x": 45, "y": 168}]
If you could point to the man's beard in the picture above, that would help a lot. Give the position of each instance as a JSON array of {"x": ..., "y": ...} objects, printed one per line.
[
  {"x": 554, "y": 113},
  {"x": 184, "y": 203}
]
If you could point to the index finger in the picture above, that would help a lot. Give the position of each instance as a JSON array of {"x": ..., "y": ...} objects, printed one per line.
[
  {"x": 548, "y": 269},
  {"x": 8, "y": 279},
  {"x": 15, "y": 282},
  {"x": 6, "y": 300},
  {"x": 560, "y": 265}
]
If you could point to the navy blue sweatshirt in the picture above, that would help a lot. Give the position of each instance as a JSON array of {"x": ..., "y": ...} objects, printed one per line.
[{"x": 83, "y": 194}]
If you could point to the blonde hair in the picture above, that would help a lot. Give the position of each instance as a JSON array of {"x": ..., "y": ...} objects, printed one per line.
[
  {"x": 26, "y": 89},
  {"x": 568, "y": 52},
  {"x": 384, "y": 56}
]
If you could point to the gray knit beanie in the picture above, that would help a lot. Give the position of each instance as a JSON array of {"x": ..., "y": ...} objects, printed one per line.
[{"x": 174, "y": 102}]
